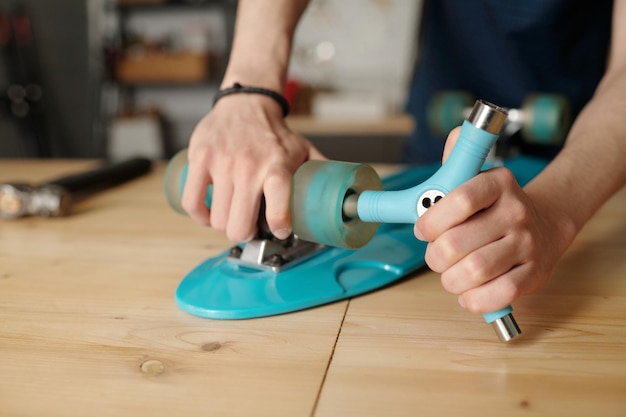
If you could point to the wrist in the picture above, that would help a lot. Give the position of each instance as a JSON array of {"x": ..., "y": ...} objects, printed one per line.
[
  {"x": 264, "y": 69},
  {"x": 254, "y": 78},
  {"x": 558, "y": 221},
  {"x": 238, "y": 88}
]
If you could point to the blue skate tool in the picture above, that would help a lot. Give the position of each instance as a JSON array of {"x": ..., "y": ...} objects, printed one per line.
[
  {"x": 350, "y": 236},
  {"x": 478, "y": 134}
]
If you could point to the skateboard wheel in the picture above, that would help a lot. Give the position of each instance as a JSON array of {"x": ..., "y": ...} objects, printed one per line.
[
  {"x": 175, "y": 176},
  {"x": 546, "y": 118},
  {"x": 447, "y": 111},
  {"x": 319, "y": 191}
]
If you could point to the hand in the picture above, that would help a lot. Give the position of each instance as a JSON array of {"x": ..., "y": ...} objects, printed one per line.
[
  {"x": 489, "y": 240},
  {"x": 244, "y": 149}
]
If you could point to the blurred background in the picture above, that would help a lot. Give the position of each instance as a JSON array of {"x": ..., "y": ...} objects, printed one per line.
[{"x": 120, "y": 78}]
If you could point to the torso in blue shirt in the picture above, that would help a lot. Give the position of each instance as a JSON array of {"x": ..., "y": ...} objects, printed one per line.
[{"x": 502, "y": 50}]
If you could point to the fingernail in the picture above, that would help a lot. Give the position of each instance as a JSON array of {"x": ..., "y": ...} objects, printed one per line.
[
  {"x": 418, "y": 233},
  {"x": 462, "y": 301},
  {"x": 282, "y": 233}
]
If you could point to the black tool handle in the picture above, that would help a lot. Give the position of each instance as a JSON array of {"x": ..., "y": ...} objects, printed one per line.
[{"x": 107, "y": 176}]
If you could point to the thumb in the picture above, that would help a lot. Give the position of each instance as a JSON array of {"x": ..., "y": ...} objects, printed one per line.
[
  {"x": 314, "y": 153},
  {"x": 453, "y": 136}
]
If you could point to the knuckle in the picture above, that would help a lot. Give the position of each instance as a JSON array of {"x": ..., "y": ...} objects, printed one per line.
[
  {"x": 199, "y": 156},
  {"x": 449, "y": 283},
  {"x": 509, "y": 291},
  {"x": 465, "y": 201},
  {"x": 247, "y": 162},
  {"x": 505, "y": 176},
  {"x": 281, "y": 156},
  {"x": 518, "y": 213},
  {"x": 526, "y": 243},
  {"x": 277, "y": 176},
  {"x": 476, "y": 268},
  {"x": 447, "y": 247}
]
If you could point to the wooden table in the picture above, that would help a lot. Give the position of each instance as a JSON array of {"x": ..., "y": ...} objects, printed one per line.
[{"x": 89, "y": 327}]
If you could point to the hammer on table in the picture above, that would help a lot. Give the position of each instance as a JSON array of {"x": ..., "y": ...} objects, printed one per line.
[{"x": 56, "y": 197}]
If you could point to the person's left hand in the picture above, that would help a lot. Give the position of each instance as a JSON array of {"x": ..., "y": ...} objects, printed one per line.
[{"x": 489, "y": 240}]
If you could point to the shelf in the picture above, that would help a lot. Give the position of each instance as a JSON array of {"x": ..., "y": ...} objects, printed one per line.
[
  {"x": 164, "y": 68},
  {"x": 394, "y": 125}
]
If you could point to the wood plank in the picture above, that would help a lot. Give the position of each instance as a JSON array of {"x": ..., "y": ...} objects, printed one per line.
[
  {"x": 411, "y": 350},
  {"x": 89, "y": 326}
]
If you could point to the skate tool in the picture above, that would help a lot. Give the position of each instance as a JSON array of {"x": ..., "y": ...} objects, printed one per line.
[
  {"x": 353, "y": 233},
  {"x": 56, "y": 197}
]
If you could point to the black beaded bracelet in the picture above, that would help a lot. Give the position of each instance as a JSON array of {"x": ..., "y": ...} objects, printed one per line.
[{"x": 238, "y": 88}]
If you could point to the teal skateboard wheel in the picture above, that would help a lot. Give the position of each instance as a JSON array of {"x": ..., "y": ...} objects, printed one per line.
[
  {"x": 447, "y": 111},
  {"x": 175, "y": 175},
  {"x": 174, "y": 182},
  {"x": 320, "y": 189},
  {"x": 546, "y": 118}
]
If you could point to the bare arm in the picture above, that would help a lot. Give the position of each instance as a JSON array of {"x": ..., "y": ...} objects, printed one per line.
[
  {"x": 262, "y": 42},
  {"x": 592, "y": 165},
  {"x": 242, "y": 147},
  {"x": 492, "y": 241}
]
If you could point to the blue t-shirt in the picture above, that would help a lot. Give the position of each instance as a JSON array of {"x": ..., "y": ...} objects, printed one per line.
[{"x": 502, "y": 50}]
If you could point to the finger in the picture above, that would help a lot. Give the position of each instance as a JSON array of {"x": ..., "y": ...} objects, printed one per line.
[
  {"x": 455, "y": 244},
  {"x": 459, "y": 205},
  {"x": 497, "y": 293},
  {"x": 194, "y": 194},
  {"x": 277, "y": 190},
  {"x": 244, "y": 212},
  {"x": 451, "y": 140},
  {"x": 221, "y": 202},
  {"x": 314, "y": 153},
  {"x": 482, "y": 265}
]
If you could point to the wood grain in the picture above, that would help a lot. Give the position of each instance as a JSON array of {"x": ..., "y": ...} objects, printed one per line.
[
  {"x": 411, "y": 350},
  {"x": 89, "y": 326}
]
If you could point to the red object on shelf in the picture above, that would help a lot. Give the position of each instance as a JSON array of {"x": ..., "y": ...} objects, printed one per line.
[{"x": 291, "y": 91}]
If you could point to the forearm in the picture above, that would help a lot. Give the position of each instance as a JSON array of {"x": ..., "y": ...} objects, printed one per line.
[
  {"x": 592, "y": 165},
  {"x": 262, "y": 42}
]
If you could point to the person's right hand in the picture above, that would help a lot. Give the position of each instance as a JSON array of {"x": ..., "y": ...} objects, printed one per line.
[{"x": 245, "y": 150}]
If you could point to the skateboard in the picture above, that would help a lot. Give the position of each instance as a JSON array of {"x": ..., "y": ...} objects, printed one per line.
[{"x": 353, "y": 232}]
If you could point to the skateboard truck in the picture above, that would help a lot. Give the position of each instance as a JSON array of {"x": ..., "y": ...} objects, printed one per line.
[
  {"x": 341, "y": 207},
  {"x": 272, "y": 254}
]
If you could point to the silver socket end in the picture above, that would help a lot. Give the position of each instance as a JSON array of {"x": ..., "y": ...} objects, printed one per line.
[
  {"x": 488, "y": 116},
  {"x": 506, "y": 328}
]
